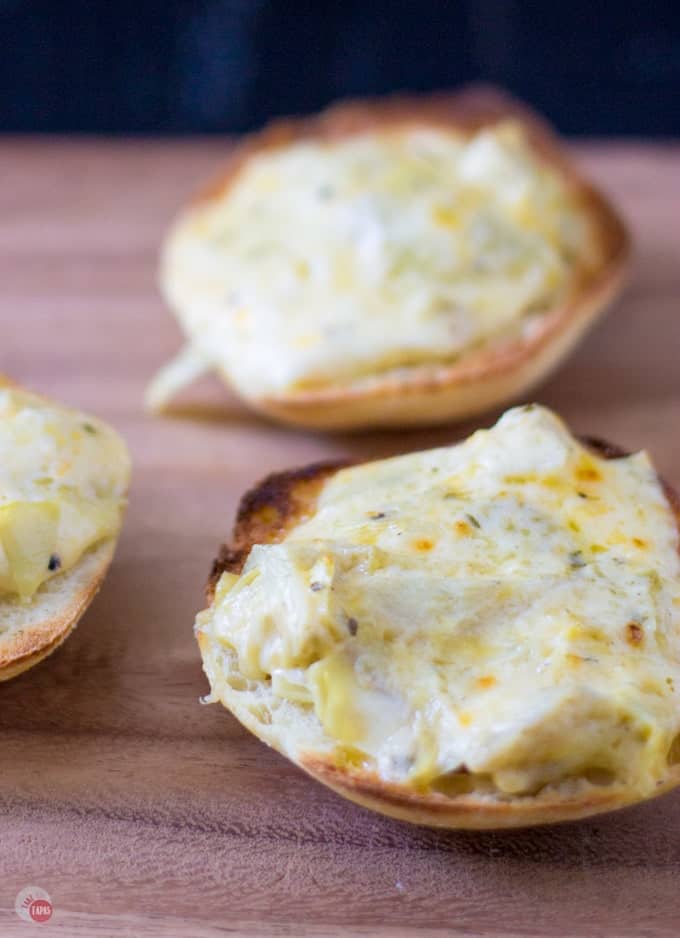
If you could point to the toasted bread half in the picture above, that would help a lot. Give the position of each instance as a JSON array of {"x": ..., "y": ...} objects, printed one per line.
[
  {"x": 266, "y": 515},
  {"x": 479, "y": 378},
  {"x": 30, "y": 630}
]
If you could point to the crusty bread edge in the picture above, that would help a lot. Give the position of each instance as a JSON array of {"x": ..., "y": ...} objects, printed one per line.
[
  {"x": 30, "y": 646},
  {"x": 498, "y": 372},
  {"x": 266, "y": 514}
]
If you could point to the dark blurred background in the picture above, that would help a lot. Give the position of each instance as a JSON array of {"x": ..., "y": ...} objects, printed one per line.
[{"x": 183, "y": 66}]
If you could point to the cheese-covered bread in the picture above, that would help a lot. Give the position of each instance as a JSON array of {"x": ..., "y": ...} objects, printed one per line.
[
  {"x": 63, "y": 482},
  {"x": 486, "y": 634},
  {"x": 338, "y": 265}
]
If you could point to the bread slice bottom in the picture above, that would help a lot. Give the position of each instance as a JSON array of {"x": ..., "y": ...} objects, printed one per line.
[{"x": 31, "y": 631}]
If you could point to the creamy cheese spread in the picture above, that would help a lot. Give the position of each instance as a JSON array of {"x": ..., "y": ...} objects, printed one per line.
[
  {"x": 63, "y": 478},
  {"x": 330, "y": 262},
  {"x": 509, "y": 606}
]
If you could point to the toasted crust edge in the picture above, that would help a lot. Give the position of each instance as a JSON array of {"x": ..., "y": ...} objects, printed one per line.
[
  {"x": 268, "y": 511},
  {"x": 474, "y": 812},
  {"x": 293, "y": 495},
  {"x": 30, "y": 646},
  {"x": 498, "y": 372}
]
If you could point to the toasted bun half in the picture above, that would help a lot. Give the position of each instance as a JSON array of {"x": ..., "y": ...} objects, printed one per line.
[
  {"x": 31, "y": 631},
  {"x": 483, "y": 377},
  {"x": 267, "y": 513}
]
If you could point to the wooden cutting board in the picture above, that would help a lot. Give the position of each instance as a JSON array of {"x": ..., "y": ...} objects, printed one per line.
[{"x": 141, "y": 812}]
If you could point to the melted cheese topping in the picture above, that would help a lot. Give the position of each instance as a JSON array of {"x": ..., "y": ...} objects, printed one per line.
[
  {"x": 509, "y": 605},
  {"x": 330, "y": 262},
  {"x": 63, "y": 478}
]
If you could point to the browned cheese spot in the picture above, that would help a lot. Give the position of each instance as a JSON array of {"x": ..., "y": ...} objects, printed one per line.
[{"x": 634, "y": 633}]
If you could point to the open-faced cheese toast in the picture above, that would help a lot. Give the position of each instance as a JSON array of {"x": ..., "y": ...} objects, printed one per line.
[
  {"x": 63, "y": 481},
  {"x": 481, "y": 635},
  {"x": 390, "y": 262}
]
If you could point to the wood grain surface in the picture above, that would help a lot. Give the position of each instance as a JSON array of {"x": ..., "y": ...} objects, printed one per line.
[{"x": 143, "y": 813}]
